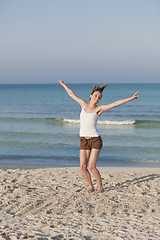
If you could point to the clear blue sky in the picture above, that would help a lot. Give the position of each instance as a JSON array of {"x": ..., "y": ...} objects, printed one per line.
[{"x": 112, "y": 41}]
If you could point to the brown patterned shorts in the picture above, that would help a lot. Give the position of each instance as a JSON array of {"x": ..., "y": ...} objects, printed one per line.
[{"x": 88, "y": 144}]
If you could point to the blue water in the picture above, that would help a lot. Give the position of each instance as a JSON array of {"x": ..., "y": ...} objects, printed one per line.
[{"x": 39, "y": 126}]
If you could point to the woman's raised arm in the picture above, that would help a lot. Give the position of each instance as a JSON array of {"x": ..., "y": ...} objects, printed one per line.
[
  {"x": 104, "y": 108},
  {"x": 72, "y": 94}
]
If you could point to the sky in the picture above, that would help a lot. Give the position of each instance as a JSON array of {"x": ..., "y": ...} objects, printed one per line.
[{"x": 80, "y": 41}]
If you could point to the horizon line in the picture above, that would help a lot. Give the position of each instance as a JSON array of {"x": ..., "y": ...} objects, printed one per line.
[{"x": 79, "y": 83}]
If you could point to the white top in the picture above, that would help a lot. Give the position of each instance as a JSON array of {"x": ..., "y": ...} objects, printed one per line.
[{"x": 88, "y": 124}]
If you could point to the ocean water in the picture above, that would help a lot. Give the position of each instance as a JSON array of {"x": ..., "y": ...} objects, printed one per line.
[{"x": 39, "y": 126}]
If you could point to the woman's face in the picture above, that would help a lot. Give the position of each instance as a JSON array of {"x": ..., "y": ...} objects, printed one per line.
[{"x": 96, "y": 97}]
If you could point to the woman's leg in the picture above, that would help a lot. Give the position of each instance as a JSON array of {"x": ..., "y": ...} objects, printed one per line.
[
  {"x": 84, "y": 156},
  {"x": 92, "y": 167}
]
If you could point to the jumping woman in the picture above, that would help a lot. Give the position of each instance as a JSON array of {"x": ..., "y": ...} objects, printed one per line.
[{"x": 90, "y": 140}]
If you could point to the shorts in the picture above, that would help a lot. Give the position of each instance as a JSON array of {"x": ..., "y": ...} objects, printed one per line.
[{"x": 88, "y": 144}]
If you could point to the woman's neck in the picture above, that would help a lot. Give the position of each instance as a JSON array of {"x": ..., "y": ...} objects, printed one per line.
[{"x": 91, "y": 105}]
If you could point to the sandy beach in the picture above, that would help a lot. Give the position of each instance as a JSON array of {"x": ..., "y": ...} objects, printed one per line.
[{"x": 53, "y": 203}]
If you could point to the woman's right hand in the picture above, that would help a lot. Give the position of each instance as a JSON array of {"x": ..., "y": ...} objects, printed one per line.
[{"x": 135, "y": 96}]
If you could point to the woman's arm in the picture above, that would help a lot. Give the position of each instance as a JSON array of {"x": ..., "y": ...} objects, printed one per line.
[
  {"x": 71, "y": 94},
  {"x": 104, "y": 108}
]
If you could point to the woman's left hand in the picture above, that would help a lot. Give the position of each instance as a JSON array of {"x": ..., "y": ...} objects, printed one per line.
[{"x": 135, "y": 96}]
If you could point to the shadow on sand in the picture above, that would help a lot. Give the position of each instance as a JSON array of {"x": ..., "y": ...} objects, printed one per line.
[{"x": 134, "y": 181}]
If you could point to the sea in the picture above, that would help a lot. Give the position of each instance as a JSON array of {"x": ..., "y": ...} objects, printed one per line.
[{"x": 39, "y": 126}]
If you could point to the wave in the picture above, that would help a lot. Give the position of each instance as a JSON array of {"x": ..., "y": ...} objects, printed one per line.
[
  {"x": 110, "y": 122},
  {"x": 18, "y": 161},
  {"x": 34, "y": 144},
  {"x": 138, "y": 123},
  {"x": 27, "y": 119},
  {"x": 118, "y": 122},
  {"x": 125, "y": 122},
  {"x": 71, "y": 120}
]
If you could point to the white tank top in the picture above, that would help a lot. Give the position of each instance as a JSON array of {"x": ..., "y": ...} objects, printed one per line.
[{"x": 88, "y": 124}]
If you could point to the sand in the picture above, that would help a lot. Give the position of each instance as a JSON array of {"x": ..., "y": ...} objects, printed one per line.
[{"x": 53, "y": 203}]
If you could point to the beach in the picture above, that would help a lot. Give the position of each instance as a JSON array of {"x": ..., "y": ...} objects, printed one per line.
[{"x": 53, "y": 203}]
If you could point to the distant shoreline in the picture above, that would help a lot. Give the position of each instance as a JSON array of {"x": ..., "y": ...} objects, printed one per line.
[{"x": 137, "y": 165}]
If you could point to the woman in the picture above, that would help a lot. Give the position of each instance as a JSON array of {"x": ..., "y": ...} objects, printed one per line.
[{"x": 90, "y": 140}]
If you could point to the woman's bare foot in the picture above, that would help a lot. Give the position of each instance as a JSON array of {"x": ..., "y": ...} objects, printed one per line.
[
  {"x": 100, "y": 190},
  {"x": 91, "y": 189}
]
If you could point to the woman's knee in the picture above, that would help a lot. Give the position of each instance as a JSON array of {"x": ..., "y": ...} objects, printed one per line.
[
  {"x": 92, "y": 168},
  {"x": 83, "y": 166}
]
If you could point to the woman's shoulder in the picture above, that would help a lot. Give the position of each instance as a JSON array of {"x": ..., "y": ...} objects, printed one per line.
[
  {"x": 84, "y": 104},
  {"x": 98, "y": 108}
]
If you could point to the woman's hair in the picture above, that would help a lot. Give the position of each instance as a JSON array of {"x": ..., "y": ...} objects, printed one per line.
[{"x": 99, "y": 88}]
